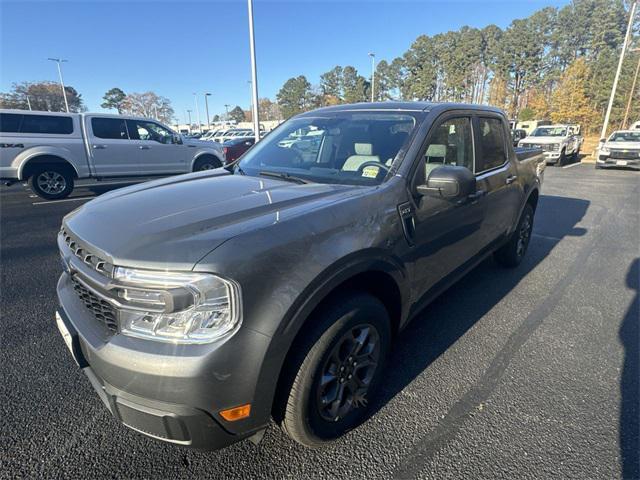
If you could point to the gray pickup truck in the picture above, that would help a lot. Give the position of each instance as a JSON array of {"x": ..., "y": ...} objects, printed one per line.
[{"x": 201, "y": 306}]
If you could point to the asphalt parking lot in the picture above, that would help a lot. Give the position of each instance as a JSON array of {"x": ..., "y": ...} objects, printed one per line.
[{"x": 525, "y": 373}]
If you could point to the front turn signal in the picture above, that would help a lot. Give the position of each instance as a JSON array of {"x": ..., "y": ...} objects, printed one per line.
[{"x": 236, "y": 413}]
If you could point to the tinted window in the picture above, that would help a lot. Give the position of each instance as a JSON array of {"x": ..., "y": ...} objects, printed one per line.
[
  {"x": 10, "y": 122},
  {"x": 113, "y": 128},
  {"x": 46, "y": 124},
  {"x": 492, "y": 145},
  {"x": 451, "y": 144}
]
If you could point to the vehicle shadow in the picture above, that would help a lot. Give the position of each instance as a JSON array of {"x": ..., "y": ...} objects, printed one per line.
[
  {"x": 629, "y": 335},
  {"x": 456, "y": 311}
]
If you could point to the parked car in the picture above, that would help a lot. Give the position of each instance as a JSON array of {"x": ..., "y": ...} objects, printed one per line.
[
  {"x": 234, "y": 148},
  {"x": 530, "y": 125},
  {"x": 234, "y": 133},
  {"x": 201, "y": 306},
  {"x": 557, "y": 141},
  {"x": 52, "y": 150},
  {"x": 518, "y": 135},
  {"x": 635, "y": 126},
  {"x": 621, "y": 149}
]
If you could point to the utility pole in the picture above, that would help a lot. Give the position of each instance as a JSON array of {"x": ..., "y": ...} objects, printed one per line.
[
  {"x": 190, "y": 124},
  {"x": 195, "y": 95},
  {"x": 633, "y": 89},
  {"x": 373, "y": 75},
  {"x": 64, "y": 93},
  {"x": 28, "y": 102},
  {"x": 206, "y": 106},
  {"x": 254, "y": 73},
  {"x": 617, "y": 77},
  {"x": 226, "y": 107}
]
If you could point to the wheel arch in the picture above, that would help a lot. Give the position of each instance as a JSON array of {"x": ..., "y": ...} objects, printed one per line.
[
  {"x": 201, "y": 155},
  {"x": 30, "y": 165}
]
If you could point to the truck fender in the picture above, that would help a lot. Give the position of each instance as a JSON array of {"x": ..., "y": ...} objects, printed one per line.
[
  {"x": 200, "y": 152},
  {"x": 21, "y": 160}
]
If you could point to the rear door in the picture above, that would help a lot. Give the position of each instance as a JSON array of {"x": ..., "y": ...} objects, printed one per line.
[
  {"x": 112, "y": 153},
  {"x": 496, "y": 176},
  {"x": 158, "y": 150}
]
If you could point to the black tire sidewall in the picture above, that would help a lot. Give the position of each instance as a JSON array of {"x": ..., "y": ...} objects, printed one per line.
[
  {"x": 346, "y": 313},
  {"x": 68, "y": 177},
  {"x": 213, "y": 160}
]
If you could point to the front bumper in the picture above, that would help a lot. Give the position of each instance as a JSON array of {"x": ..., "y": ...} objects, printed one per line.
[
  {"x": 607, "y": 161},
  {"x": 168, "y": 392}
]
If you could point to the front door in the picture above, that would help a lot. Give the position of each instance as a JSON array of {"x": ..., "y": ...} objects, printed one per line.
[
  {"x": 157, "y": 150},
  {"x": 446, "y": 231}
]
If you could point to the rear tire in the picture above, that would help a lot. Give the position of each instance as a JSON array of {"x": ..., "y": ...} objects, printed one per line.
[
  {"x": 52, "y": 182},
  {"x": 511, "y": 254},
  {"x": 206, "y": 162},
  {"x": 334, "y": 371}
]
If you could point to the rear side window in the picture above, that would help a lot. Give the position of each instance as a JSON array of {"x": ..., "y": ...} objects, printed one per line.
[
  {"x": 492, "y": 144},
  {"x": 47, "y": 124},
  {"x": 112, "y": 128},
  {"x": 10, "y": 122},
  {"x": 451, "y": 144}
]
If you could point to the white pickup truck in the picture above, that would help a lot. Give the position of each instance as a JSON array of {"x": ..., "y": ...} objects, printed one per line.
[
  {"x": 51, "y": 150},
  {"x": 557, "y": 141}
]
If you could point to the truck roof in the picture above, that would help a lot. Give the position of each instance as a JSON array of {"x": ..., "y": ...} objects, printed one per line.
[
  {"x": 403, "y": 106},
  {"x": 73, "y": 114}
]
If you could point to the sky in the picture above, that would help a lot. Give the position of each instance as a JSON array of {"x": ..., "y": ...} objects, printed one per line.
[{"x": 176, "y": 48}]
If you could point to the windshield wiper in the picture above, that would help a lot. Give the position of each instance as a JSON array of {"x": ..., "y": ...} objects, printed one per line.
[{"x": 284, "y": 176}]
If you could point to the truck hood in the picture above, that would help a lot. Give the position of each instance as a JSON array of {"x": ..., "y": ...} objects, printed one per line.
[
  {"x": 542, "y": 140},
  {"x": 173, "y": 223}
]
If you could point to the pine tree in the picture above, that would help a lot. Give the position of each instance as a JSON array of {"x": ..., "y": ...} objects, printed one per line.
[{"x": 571, "y": 102}]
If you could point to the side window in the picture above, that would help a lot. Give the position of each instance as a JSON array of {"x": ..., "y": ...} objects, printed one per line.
[
  {"x": 491, "y": 143},
  {"x": 451, "y": 144},
  {"x": 47, "y": 124},
  {"x": 10, "y": 122},
  {"x": 111, "y": 128},
  {"x": 141, "y": 130}
]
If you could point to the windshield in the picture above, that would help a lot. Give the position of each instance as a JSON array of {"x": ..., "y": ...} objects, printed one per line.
[
  {"x": 625, "y": 137},
  {"x": 354, "y": 148},
  {"x": 549, "y": 132}
]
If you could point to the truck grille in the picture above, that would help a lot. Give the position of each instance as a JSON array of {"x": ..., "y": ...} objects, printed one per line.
[
  {"x": 86, "y": 256},
  {"x": 631, "y": 155},
  {"x": 102, "y": 310},
  {"x": 546, "y": 147}
]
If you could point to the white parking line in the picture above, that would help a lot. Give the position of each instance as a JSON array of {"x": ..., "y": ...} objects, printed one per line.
[
  {"x": 572, "y": 165},
  {"x": 63, "y": 200}
]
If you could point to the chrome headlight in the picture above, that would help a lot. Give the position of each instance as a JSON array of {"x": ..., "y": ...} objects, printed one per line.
[
  {"x": 556, "y": 147},
  {"x": 176, "y": 307},
  {"x": 605, "y": 150}
]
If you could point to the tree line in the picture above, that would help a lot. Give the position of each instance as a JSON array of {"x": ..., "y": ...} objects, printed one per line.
[{"x": 556, "y": 64}]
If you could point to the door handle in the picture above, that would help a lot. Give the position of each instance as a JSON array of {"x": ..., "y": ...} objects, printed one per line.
[
  {"x": 510, "y": 179},
  {"x": 99, "y": 147},
  {"x": 144, "y": 147}
]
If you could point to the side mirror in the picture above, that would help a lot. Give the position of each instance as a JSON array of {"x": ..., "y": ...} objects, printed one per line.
[
  {"x": 177, "y": 139},
  {"x": 448, "y": 182},
  {"x": 602, "y": 140}
]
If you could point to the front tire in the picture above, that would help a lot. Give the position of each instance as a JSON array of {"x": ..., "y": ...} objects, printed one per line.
[
  {"x": 561, "y": 159},
  {"x": 52, "y": 182},
  {"x": 511, "y": 254},
  {"x": 336, "y": 369},
  {"x": 206, "y": 162}
]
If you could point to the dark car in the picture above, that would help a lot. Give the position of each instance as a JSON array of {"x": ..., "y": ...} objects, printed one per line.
[
  {"x": 233, "y": 149},
  {"x": 201, "y": 306},
  {"x": 518, "y": 135}
]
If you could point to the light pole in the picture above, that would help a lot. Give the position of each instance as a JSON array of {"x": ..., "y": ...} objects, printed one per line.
[
  {"x": 195, "y": 96},
  {"x": 633, "y": 88},
  {"x": 28, "y": 102},
  {"x": 254, "y": 73},
  {"x": 64, "y": 93},
  {"x": 373, "y": 75},
  {"x": 206, "y": 106},
  {"x": 226, "y": 107},
  {"x": 617, "y": 77},
  {"x": 190, "y": 124}
]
